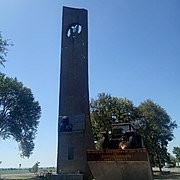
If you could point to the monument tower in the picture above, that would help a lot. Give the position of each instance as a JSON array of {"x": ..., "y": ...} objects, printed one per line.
[{"x": 74, "y": 126}]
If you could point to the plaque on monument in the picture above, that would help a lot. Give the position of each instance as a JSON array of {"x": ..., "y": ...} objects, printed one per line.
[
  {"x": 78, "y": 122},
  {"x": 72, "y": 123},
  {"x": 117, "y": 155}
]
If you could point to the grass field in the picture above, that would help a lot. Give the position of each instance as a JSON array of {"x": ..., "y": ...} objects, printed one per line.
[
  {"x": 23, "y": 173},
  {"x": 14, "y": 171},
  {"x": 25, "y": 170}
]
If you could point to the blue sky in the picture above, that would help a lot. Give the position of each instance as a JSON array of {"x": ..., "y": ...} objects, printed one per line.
[{"x": 133, "y": 53}]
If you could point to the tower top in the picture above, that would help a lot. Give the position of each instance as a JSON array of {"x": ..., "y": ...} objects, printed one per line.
[{"x": 71, "y": 8}]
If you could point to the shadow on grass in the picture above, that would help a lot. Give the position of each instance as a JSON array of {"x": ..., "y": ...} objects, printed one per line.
[{"x": 166, "y": 175}]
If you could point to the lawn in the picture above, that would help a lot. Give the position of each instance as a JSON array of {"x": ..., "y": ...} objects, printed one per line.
[
  {"x": 22, "y": 173},
  {"x": 14, "y": 171}
]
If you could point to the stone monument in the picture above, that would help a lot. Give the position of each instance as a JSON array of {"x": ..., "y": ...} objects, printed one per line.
[{"x": 74, "y": 125}]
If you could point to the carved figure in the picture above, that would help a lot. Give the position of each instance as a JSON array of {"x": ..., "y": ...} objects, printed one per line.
[{"x": 65, "y": 125}]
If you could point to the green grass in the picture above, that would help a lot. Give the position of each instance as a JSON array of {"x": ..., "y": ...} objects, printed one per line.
[
  {"x": 14, "y": 171},
  {"x": 19, "y": 178},
  {"x": 25, "y": 170},
  {"x": 23, "y": 173}
]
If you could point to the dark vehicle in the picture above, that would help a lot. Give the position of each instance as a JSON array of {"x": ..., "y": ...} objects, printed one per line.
[{"x": 122, "y": 136}]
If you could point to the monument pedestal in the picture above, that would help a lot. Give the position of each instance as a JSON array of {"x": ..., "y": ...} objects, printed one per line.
[
  {"x": 129, "y": 164},
  {"x": 68, "y": 176}
]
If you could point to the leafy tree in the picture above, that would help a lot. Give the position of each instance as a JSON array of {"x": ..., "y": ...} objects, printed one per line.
[
  {"x": 173, "y": 160},
  {"x": 19, "y": 114},
  {"x": 176, "y": 151},
  {"x": 35, "y": 168},
  {"x": 126, "y": 111},
  {"x": 157, "y": 129},
  {"x": 4, "y": 44},
  {"x": 101, "y": 113}
]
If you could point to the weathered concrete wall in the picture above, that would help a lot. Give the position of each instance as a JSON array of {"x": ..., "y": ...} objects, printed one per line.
[
  {"x": 116, "y": 170},
  {"x": 117, "y": 164},
  {"x": 68, "y": 177}
]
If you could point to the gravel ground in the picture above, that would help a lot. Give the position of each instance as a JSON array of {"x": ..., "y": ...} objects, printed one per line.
[{"x": 167, "y": 174}]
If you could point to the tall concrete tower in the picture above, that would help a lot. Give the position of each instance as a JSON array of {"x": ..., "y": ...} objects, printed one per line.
[{"x": 74, "y": 130}]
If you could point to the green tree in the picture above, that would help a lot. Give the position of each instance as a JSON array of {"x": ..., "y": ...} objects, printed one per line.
[
  {"x": 35, "y": 168},
  {"x": 4, "y": 44},
  {"x": 19, "y": 114},
  {"x": 173, "y": 160},
  {"x": 176, "y": 151},
  {"x": 157, "y": 130},
  {"x": 101, "y": 113}
]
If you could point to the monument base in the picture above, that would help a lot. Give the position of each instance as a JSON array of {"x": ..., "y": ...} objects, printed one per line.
[
  {"x": 118, "y": 164},
  {"x": 68, "y": 177}
]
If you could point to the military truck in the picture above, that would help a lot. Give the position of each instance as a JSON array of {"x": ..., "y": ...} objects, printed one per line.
[{"x": 122, "y": 136}]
